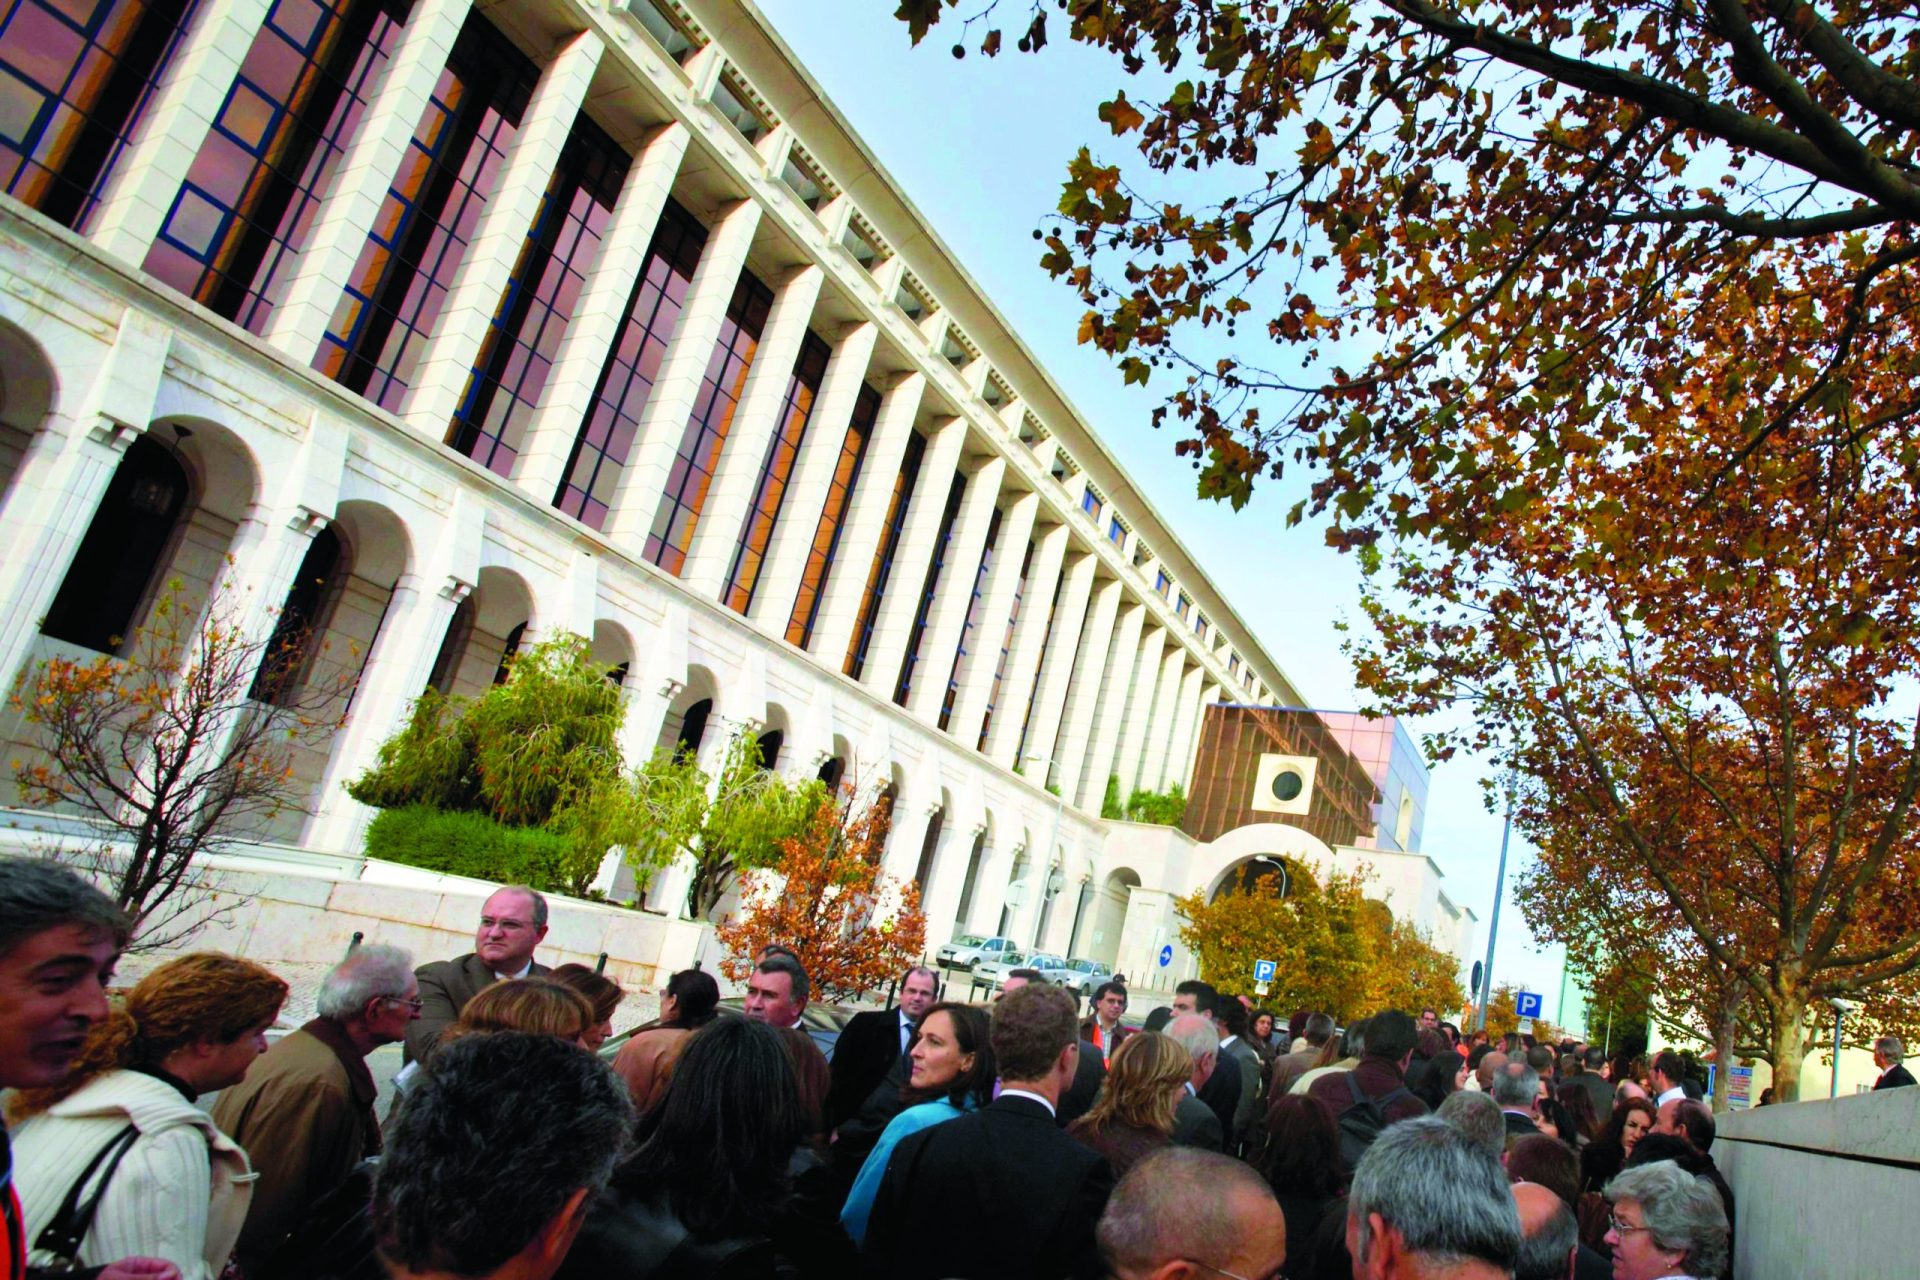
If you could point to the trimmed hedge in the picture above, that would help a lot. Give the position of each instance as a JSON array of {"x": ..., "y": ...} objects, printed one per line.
[{"x": 470, "y": 844}]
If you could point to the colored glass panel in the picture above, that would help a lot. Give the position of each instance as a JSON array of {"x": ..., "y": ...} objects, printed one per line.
[
  {"x": 1006, "y": 646},
  {"x": 1090, "y": 503},
  {"x": 770, "y": 490},
  {"x": 247, "y": 204},
  {"x": 523, "y": 339},
  {"x": 706, "y": 429},
  {"x": 826, "y": 535},
  {"x": 970, "y": 627},
  {"x": 394, "y": 294},
  {"x": 75, "y": 79},
  {"x": 942, "y": 547},
  {"x": 882, "y": 570},
  {"x": 612, "y": 420}
]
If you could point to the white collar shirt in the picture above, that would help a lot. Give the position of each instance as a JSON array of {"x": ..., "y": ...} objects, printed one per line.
[
  {"x": 1028, "y": 1093},
  {"x": 525, "y": 969},
  {"x": 1674, "y": 1094}
]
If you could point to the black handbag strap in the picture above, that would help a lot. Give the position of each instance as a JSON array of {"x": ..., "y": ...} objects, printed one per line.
[{"x": 62, "y": 1236}]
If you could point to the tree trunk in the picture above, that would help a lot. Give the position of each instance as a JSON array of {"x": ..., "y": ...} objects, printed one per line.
[
  {"x": 1789, "y": 1047},
  {"x": 1724, "y": 1036}
]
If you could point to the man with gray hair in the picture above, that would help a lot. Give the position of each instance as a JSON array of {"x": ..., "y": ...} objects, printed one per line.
[
  {"x": 304, "y": 1113},
  {"x": 1182, "y": 1214},
  {"x": 1426, "y": 1200},
  {"x": 1516, "y": 1087},
  {"x": 1194, "y": 1122},
  {"x": 1478, "y": 1117},
  {"x": 1549, "y": 1235},
  {"x": 513, "y": 921},
  {"x": 1887, "y": 1052}
]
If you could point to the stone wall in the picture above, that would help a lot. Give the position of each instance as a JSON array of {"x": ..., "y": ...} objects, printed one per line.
[{"x": 1825, "y": 1188}]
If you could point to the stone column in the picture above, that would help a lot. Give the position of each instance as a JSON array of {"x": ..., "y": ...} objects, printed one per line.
[
  {"x": 807, "y": 487},
  {"x": 1166, "y": 709},
  {"x": 446, "y": 366},
  {"x": 1116, "y": 675},
  {"x": 1178, "y": 762},
  {"x": 902, "y": 600},
  {"x": 599, "y": 315},
  {"x": 1209, "y": 694},
  {"x": 1044, "y": 724},
  {"x": 670, "y": 404},
  {"x": 953, "y": 594},
  {"x": 866, "y": 517},
  {"x": 970, "y": 705},
  {"x": 1082, "y": 687},
  {"x": 148, "y": 173},
  {"x": 366, "y": 171},
  {"x": 1139, "y": 712},
  {"x": 1023, "y": 662},
  {"x": 736, "y": 476}
]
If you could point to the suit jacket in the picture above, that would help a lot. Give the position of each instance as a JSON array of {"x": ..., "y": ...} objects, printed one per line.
[
  {"x": 1290, "y": 1066},
  {"x": 445, "y": 988},
  {"x": 1519, "y": 1126},
  {"x": 1195, "y": 1125},
  {"x": 1600, "y": 1091},
  {"x": 1894, "y": 1077},
  {"x": 1222, "y": 1093},
  {"x": 1027, "y": 1194},
  {"x": 1247, "y": 1113},
  {"x": 869, "y": 1046},
  {"x": 1089, "y": 1073}
]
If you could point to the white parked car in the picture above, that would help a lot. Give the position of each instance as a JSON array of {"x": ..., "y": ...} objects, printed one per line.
[
  {"x": 992, "y": 973},
  {"x": 970, "y": 950}
]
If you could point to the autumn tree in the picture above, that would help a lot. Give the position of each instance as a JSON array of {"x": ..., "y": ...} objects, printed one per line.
[
  {"x": 1313, "y": 933},
  {"x": 820, "y": 898},
  {"x": 1502, "y": 1017},
  {"x": 175, "y": 751},
  {"x": 539, "y": 750},
  {"x": 1405, "y": 970},
  {"x": 1593, "y": 328},
  {"x": 727, "y": 825}
]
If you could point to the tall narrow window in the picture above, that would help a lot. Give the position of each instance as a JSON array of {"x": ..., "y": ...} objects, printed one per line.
[
  {"x": 970, "y": 630},
  {"x": 1046, "y": 647},
  {"x": 826, "y": 535},
  {"x": 706, "y": 429},
  {"x": 115, "y": 563},
  {"x": 524, "y": 337},
  {"x": 394, "y": 294},
  {"x": 1006, "y": 646},
  {"x": 1091, "y": 504},
  {"x": 296, "y": 631},
  {"x": 882, "y": 570},
  {"x": 247, "y": 205},
  {"x": 75, "y": 78},
  {"x": 942, "y": 549},
  {"x": 633, "y": 362},
  {"x": 929, "y": 849},
  {"x": 756, "y": 531}
]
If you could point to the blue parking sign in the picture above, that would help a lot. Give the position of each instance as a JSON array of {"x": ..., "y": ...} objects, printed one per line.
[
  {"x": 1263, "y": 970},
  {"x": 1526, "y": 1004}
]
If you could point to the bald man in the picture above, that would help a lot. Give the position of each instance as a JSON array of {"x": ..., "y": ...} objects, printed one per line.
[
  {"x": 1187, "y": 1214},
  {"x": 1549, "y": 1235}
]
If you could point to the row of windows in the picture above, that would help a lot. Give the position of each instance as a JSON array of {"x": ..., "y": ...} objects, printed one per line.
[{"x": 74, "y": 79}]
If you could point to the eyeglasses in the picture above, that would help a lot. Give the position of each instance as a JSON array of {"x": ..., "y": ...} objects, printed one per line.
[
  {"x": 1233, "y": 1275},
  {"x": 1624, "y": 1228},
  {"x": 415, "y": 1005}
]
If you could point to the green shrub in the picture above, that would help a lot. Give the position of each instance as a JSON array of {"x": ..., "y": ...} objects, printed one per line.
[
  {"x": 1110, "y": 806},
  {"x": 471, "y": 844},
  {"x": 1166, "y": 808}
]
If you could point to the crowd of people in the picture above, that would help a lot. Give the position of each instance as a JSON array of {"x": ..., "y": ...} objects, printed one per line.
[{"x": 930, "y": 1139}]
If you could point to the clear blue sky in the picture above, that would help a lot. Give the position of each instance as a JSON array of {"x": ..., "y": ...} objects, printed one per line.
[{"x": 981, "y": 147}]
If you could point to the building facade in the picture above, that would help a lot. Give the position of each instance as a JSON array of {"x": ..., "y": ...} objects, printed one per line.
[{"x": 441, "y": 326}]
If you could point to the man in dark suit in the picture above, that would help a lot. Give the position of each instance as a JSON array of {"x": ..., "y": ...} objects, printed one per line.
[
  {"x": 1194, "y": 1124},
  {"x": 512, "y": 923},
  {"x": 1595, "y": 1082},
  {"x": 1516, "y": 1087},
  {"x": 1230, "y": 1017},
  {"x": 1222, "y": 1091},
  {"x": 1887, "y": 1052},
  {"x": 873, "y": 1042},
  {"x": 1028, "y": 1194}
]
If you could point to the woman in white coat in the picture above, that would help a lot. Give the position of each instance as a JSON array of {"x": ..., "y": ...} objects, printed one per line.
[{"x": 175, "y": 1187}]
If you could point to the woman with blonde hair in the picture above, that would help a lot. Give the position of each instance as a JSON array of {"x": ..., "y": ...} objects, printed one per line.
[
  {"x": 1133, "y": 1116},
  {"x": 538, "y": 1005},
  {"x": 116, "y": 1158}
]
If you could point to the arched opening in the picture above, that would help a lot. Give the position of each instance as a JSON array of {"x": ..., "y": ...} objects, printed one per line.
[
  {"x": 296, "y": 631},
  {"x": 1108, "y": 916},
  {"x": 1007, "y": 902},
  {"x": 769, "y": 745},
  {"x": 484, "y": 633},
  {"x": 693, "y": 728},
  {"x": 832, "y": 772},
  {"x": 929, "y": 851},
  {"x": 26, "y": 398},
  {"x": 972, "y": 880},
  {"x": 1268, "y": 869},
  {"x": 112, "y": 574},
  {"x": 613, "y": 650}
]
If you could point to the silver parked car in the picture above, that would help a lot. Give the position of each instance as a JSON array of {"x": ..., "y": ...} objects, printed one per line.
[
  {"x": 970, "y": 950},
  {"x": 1085, "y": 976}
]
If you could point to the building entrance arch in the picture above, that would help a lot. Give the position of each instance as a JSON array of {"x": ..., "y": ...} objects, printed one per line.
[{"x": 1235, "y": 858}]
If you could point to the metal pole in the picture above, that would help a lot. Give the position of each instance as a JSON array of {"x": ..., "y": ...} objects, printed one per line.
[
  {"x": 1493, "y": 926},
  {"x": 1839, "y": 1015}
]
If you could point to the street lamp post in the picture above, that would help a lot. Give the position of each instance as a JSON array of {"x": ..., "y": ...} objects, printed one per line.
[{"x": 1493, "y": 925}]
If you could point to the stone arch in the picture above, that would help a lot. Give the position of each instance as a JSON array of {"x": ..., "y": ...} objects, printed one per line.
[
  {"x": 1101, "y": 939},
  {"x": 28, "y": 389},
  {"x": 980, "y": 848},
  {"x": 486, "y": 630},
  {"x": 1214, "y": 863},
  {"x": 691, "y": 718},
  {"x": 613, "y": 648},
  {"x": 775, "y": 735},
  {"x": 833, "y": 770}
]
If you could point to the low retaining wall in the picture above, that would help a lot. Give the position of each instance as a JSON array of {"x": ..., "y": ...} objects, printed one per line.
[{"x": 1826, "y": 1188}]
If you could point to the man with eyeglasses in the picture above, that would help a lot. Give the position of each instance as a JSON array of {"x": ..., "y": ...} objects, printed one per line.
[
  {"x": 512, "y": 923},
  {"x": 305, "y": 1113},
  {"x": 1186, "y": 1214}
]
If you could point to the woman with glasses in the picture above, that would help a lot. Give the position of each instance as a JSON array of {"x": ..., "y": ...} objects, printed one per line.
[
  {"x": 645, "y": 1062},
  {"x": 1666, "y": 1223}
]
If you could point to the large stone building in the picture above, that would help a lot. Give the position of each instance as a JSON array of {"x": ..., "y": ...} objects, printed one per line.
[{"x": 444, "y": 326}]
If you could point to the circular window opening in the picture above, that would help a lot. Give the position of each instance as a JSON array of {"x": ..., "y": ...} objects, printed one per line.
[{"x": 1287, "y": 785}]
